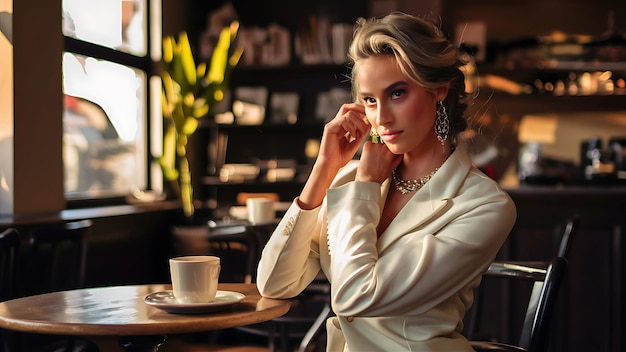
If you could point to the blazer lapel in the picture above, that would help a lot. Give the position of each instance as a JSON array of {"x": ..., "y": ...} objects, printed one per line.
[
  {"x": 413, "y": 215},
  {"x": 429, "y": 202}
]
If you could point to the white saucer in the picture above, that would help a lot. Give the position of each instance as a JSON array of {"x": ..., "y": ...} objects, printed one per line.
[{"x": 166, "y": 301}]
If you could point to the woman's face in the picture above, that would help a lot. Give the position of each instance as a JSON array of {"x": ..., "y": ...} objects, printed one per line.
[{"x": 402, "y": 112}]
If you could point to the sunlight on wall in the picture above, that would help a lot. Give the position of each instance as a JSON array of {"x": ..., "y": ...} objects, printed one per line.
[
  {"x": 6, "y": 107},
  {"x": 568, "y": 130}
]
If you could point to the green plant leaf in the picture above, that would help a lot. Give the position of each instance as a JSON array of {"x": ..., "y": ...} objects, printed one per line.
[
  {"x": 186, "y": 59},
  {"x": 168, "y": 49},
  {"x": 170, "y": 94},
  {"x": 201, "y": 110},
  {"x": 219, "y": 60},
  {"x": 235, "y": 57},
  {"x": 190, "y": 126},
  {"x": 189, "y": 91}
]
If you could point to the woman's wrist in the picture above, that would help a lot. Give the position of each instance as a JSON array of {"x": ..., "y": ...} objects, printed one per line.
[{"x": 315, "y": 187}]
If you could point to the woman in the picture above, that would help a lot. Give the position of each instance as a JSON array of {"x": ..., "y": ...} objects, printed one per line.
[{"x": 403, "y": 234}]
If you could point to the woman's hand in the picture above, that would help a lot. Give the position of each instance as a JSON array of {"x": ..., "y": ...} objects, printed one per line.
[
  {"x": 343, "y": 136},
  {"x": 376, "y": 163},
  {"x": 341, "y": 139}
]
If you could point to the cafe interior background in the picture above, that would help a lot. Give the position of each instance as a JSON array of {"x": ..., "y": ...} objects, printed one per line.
[{"x": 81, "y": 125}]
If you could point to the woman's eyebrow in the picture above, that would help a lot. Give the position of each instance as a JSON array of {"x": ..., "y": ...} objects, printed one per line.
[{"x": 390, "y": 88}]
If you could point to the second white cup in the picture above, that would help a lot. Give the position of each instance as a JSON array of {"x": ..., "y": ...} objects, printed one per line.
[
  {"x": 195, "y": 278},
  {"x": 260, "y": 210}
]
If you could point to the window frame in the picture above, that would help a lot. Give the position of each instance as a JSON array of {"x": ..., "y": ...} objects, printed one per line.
[{"x": 144, "y": 63}]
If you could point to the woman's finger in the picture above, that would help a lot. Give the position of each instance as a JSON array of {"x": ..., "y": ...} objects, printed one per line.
[{"x": 353, "y": 121}]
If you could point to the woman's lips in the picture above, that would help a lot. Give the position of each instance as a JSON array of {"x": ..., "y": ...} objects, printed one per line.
[{"x": 390, "y": 136}]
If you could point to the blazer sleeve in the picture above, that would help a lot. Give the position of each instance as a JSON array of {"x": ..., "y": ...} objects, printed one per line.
[{"x": 290, "y": 259}]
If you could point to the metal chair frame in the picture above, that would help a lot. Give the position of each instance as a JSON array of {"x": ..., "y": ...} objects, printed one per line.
[
  {"x": 9, "y": 248},
  {"x": 521, "y": 270},
  {"x": 535, "y": 333}
]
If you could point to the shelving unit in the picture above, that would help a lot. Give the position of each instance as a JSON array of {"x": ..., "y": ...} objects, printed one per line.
[
  {"x": 279, "y": 142},
  {"x": 268, "y": 144},
  {"x": 306, "y": 80},
  {"x": 497, "y": 113}
]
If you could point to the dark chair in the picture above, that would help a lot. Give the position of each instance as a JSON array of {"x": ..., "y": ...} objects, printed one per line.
[
  {"x": 56, "y": 261},
  {"x": 9, "y": 248},
  {"x": 535, "y": 333},
  {"x": 519, "y": 269},
  {"x": 238, "y": 245},
  {"x": 9, "y": 279},
  {"x": 57, "y": 256},
  {"x": 568, "y": 232}
]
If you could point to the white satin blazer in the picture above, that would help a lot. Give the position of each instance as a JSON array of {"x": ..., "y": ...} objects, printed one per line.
[{"x": 409, "y": 289}]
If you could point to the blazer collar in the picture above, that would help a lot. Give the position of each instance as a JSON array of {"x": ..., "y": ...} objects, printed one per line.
[{"x": 430, "y": 201}]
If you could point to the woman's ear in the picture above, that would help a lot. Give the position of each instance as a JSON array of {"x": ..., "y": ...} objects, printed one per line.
[{"x": 441, "y": 93}]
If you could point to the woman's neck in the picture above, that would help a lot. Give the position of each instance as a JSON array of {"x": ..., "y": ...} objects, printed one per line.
[{"x": 416, "y": 165}]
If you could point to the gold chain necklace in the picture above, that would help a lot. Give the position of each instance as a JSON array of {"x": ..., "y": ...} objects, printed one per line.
[{"x": 406, "y": 186}]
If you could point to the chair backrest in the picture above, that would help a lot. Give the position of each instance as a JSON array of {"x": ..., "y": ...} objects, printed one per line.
[
  {"x": 567, "y": 233},
  {"x": 567, "y": 236},
  {"x": 57, "y": 256},
  {"x": 541, "y": 306},
  {"x": 9, "y": 247},
  {"x": 238, "y": 247}
]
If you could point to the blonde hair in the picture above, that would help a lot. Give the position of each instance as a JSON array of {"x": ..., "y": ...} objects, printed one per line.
[{"x": 423, "y": 53}]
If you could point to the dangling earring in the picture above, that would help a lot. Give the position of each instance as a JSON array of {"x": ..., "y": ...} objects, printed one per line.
[{"x": 442, "y": 124}]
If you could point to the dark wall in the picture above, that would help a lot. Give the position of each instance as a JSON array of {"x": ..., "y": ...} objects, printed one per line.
[
  {"x": 515, "y": 19},
  {"x": 291, "y": 14}
]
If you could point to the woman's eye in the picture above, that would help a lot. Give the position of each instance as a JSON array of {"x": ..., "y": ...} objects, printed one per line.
[
  {"x": 369, "y": 101},
  {"x": 397, "y": 94}
]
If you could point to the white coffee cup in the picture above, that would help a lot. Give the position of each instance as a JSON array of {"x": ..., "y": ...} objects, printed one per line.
[
  {"x": 260, "y": 210},
  {"x": 195, "y": 278}
]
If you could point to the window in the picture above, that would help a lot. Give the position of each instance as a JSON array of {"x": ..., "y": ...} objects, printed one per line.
[
  {"x": 6, "y": 105},
  {"x": 106, "y": 73}
]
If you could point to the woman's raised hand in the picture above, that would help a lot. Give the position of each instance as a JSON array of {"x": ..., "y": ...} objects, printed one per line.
[
  {"x": 341, "y": 139},
  {"x": 343, "y": 136},
  {"x": 376, "y": 163}
]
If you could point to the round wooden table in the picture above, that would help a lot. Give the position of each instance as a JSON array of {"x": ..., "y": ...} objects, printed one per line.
[{"x": 121, "y": 311}]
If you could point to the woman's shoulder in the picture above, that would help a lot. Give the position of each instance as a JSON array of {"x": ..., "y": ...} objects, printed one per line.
[
  {"x": 480, "y": 189},
  {"x": 474, "y": 186}
]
